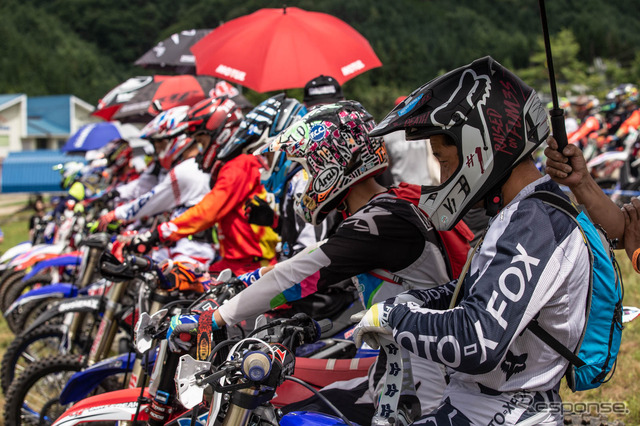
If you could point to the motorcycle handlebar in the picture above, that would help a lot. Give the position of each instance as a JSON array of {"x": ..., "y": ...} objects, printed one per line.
[
  {"x": 127, "y": 269},
  {"x": 141, "y": 263}
]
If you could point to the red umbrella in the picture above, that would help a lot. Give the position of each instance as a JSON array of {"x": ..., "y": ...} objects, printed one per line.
[
  {"x": 166, "y": 91},
  {"x": 275, "y": 49}
]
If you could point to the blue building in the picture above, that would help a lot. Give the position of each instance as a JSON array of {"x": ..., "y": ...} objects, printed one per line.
[{"x": 32, "y": 130}]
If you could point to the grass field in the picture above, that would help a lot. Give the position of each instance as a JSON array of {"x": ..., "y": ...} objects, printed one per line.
[{"x": 623, "y": 388}]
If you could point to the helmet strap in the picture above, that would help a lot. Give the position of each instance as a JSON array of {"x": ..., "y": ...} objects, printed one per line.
[
  {"x": 343, "y": 209},
  {"x": 493, "y": 200}
]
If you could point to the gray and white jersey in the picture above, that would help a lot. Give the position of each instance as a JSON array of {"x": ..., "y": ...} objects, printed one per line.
[
  {"x": 533, "y": 263},
  {"x": 183, "y": 186}
]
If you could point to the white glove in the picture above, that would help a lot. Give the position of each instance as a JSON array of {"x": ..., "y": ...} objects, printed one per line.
[{"x": 374, "y": 323}]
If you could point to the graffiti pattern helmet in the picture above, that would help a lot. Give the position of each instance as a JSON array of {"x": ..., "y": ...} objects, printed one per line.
[
  {"x": 333, "y": 146},
  {"x": 495, "y": 120},
  {"x": 265, "y": 121},
  {"x": 218, "y": 117}
]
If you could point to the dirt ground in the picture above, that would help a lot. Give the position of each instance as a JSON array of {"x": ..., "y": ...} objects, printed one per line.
[{"x": 11, "y": 203}]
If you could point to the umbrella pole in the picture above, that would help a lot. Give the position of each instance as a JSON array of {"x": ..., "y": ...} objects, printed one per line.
[{"x": 556, "y": 113}]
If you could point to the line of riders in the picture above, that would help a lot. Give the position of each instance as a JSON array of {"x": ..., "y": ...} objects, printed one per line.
[
  {"x": 289, "y": 196},
  {"x": 607, "y": 134}
]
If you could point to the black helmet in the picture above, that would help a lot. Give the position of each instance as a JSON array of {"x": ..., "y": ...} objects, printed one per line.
[
  {"x": 495, "y": 120},
  {"x": 265, "y": 121}
]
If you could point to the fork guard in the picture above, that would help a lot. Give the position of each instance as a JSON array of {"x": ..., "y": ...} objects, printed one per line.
[{"x": 85, "y": 381}]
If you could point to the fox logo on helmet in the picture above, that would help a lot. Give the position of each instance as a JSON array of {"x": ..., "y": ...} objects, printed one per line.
[{"x": 456, "y": 109}]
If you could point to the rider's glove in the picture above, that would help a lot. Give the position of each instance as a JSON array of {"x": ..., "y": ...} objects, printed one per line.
[
  {"x": 165, "y": 230},
  {"x": 251, "y": 277},
  {"x": 180, "y": 325},
  {"x": 374, "y": 323},
  {"x": 259, "y": 212},
  {"x": 143, "y": 243},
  {"x": 105, "y": 220}
]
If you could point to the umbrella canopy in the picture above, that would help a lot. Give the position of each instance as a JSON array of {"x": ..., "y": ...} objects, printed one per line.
[
  {"x": 165, "y": 92},
  {"x": 173, "y": 53},
  {"x": 119, "y": 95},
  {"x": 275, "y": 49},
  {"x": 96, "y": 135}
]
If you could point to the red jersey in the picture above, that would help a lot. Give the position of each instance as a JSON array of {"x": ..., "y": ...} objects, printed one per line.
[{"x": 238, "y": 181}]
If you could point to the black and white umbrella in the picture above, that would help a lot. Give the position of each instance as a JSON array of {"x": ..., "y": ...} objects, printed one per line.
[{"x": 173, "y": 53}]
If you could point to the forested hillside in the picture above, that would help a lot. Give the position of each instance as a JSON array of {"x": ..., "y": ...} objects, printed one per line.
[{"x": 87, "y": 47}]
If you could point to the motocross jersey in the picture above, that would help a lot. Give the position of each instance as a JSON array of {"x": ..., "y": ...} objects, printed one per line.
[
  {"x": 388, "y": 232},
  {"x": 238, "y": 181},
  {"x": 590, "y": 125},
  {"x": 149, "y": 178},
  {"x": 533, "y": 263},
  {"x": 374, "y": 237},
  {"x": 184, "y": 185},
  {"x": 630, "y": 124}
]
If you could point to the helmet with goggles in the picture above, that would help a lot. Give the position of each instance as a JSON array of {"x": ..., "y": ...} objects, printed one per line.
[
  {"x": 265, "y": 121},
  {"x": 495, "y": 121},
  {"x": 333, "y": 145}
]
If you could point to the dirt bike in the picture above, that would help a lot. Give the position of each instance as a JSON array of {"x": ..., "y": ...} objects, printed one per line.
[
  {"x": 164, "y": 403},
  {"x": 62, "y": 328},
  {"x": 41, "y": 264},
  {"x": 618, "y": 172},
  {"x": 35, "y": 394}
]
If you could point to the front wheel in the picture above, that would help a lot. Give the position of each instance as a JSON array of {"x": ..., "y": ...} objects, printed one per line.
[
  {"x": 32, "y": 398},
  {"x": 27, "y": 349},
  {"x": 20, "y": 317}
]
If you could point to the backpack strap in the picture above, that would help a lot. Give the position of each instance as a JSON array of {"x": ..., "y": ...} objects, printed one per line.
[
  {"x": 554, "y": 343},
  {"x": 556, "y": 201},
  {"x": 564, "y": 205}
]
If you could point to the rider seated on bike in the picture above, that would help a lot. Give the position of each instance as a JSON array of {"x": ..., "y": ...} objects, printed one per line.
[
  {"x": 383, "y": 231},
  {"x": 286, "y": 180},
  {"x": 235, "y": 179},
  {"x": 483, "y": 123},
  {"x": 569, "y": 168},
  {"x": 591, "y": 122},
  {"x": 155, "y": 132}
]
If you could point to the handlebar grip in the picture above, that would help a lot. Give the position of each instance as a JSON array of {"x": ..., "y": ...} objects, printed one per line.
[
  {"x": 256, "y": 366},
  {"x": 557, "y": 127},
  {"x": 112, "y": 269},
  {"x": 324, "y": 325},
  {"x": 140, "y": 262}
]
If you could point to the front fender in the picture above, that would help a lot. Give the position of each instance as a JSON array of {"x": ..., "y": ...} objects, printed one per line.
[
  {"x": 77, "y": 304},
  {"x": 62, "y": 260},
  {"x": 13, "y": 252},
  {"x": 111, "y": 406},
  {"x": 85, "y": 381},
  {"x": 52, "y": 291},
  {"x": 34, "y": 254}
]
